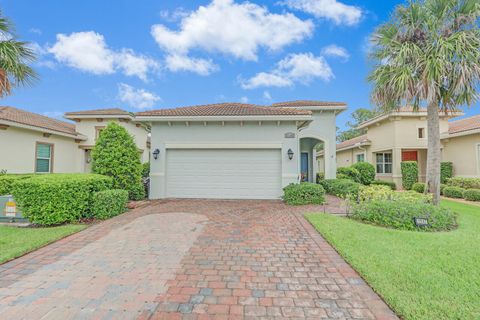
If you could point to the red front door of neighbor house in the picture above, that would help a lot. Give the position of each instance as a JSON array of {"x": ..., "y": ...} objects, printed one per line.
[{"x": 409, "y": 156}]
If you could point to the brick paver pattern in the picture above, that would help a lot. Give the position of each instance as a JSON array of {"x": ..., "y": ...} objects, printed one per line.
[{"x": 191, "y": 259}]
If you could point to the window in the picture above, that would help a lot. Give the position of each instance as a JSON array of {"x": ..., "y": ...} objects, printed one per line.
[
  {"x": 361, "y": 157},
  {"x": 384, "y": 163},
  {"x": 421, "y": 133},
  {"x": 43, "y": 158}
]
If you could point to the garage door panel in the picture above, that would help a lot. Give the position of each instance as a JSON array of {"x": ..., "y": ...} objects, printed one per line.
[{"x": 229, "y": 174}]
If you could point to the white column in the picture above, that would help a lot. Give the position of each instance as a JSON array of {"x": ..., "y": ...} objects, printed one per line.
[{"x": 330, "y": 158}]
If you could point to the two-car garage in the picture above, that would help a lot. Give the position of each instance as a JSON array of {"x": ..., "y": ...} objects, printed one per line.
[{"x": 223, "y": 173}]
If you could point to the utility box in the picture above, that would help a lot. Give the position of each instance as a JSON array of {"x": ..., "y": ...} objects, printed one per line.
[{"x": 9, "y": 211}]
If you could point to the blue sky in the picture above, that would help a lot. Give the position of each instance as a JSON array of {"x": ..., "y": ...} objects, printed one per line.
[{"x": 148, "y": 54}]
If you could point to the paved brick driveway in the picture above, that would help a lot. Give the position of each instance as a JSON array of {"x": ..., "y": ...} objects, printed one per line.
[{"x": 190, "y": 259}]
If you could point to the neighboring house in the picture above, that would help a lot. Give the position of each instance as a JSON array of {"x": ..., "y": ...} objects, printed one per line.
[
  {"x": 30, "y": 142},
  {"x": 402, "y": 136},
  {"x": 238, "y": 151}
]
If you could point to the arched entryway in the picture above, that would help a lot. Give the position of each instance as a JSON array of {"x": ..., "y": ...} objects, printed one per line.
[{"x": 310, "y": 144}]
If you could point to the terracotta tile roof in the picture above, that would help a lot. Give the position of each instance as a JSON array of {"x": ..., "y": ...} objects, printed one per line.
[
  {"x": 352, "y": 142},
  {"x": 309, "y": 103},
  {"x": 36, "y": 120},
  {"x": 466, "y": 124},
  {"x": 223, "y": 109},
  {"x": 99, "y": 112}
]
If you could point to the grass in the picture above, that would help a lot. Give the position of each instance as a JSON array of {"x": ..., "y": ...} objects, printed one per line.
[
  {"x": 420, "y": 275},
  {"x": 15, "y": 241}
]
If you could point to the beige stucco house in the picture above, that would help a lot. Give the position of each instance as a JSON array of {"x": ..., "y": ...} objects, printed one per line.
[
  {"x": 238, "y": 151},
  {"x": 30, "y": 142},
  {"x": 402, "y": 136}
]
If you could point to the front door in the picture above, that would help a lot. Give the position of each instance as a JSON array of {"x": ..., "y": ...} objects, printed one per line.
[
  {"x": 304, "y": 166},
  {"x": 409, "y": 156}
]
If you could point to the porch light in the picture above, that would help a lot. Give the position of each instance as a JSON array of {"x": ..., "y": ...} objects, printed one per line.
[
  {"x": 290, "y": 154},
  {"x": 156, "y": 152}
]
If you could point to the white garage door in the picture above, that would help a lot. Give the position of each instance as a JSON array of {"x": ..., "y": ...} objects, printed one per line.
[{"x": 224, "y": 174}]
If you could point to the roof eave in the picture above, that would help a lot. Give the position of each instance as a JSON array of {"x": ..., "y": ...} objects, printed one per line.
[
  {"x": 404, "y": 114},
  {"x": 97, "y": 116},
  {"x": 153, "y": 118},
  {"x": 361, "y": 144},
  {"x": 460, "y": 134},
  {"x": 43, "y": 130}
]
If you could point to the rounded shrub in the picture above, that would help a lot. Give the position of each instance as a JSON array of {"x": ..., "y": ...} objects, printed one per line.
[
  {"x": 348, "y": 173},
  {"x": 419, "y": 187},
  {"x": 320, "y": 176},
  {"x": 390, "y": 184},
  {"x": 366, "y": 172},
  {"x": 446, "y": 171},
  {"x": 453, "y": 192},
  {"x": 303, "y": 193},
  {"x": 409, "y": 174},
  {"x": 375, "y": 192},
  {"x": 465, "y": 183},
  {"x": 472, "y": 194},
  {"x": 116, "y": 155},
  {"x": 109, "y": 203},
  {"x": 342, "y": 188}
]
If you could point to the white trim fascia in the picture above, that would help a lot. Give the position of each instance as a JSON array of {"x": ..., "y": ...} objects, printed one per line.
[
  {"x": 98, "y": 116},
  {"x": 319, "y": 108},
  {"x": 355, "y": 146},
  {"x": 459, "y": 134},
  {"x": 43, "y": 130},
  {"x": 216, "y": 145},
  {"x": 405, "y": 114},
  {"x": 224, "y": 118}
]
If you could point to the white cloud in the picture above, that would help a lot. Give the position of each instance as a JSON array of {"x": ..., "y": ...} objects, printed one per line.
[
  {"x": 244, "y": 99},
  {"x": 301, "y": 68},
  {"x": 41, "y": 52},
  {"x": 88, "y": 51},
  {"x": 334, "y": 10},
  {"x": 35, "y": 31},
  {"x": 267, "y": 96},
  {"x": 53, "y": 114},
  {"x": 174, "y": 15},
  {"x": 336, "y": 51},
  {"x": 235, "y": 29},
  {"x": 176, "y": 62},
  {"x": 139, "y": 99}
]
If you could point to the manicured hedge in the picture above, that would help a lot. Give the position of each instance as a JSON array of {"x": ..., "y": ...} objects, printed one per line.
[
  {"x": 419, "y": 187},
  {"x": 465, "y": 183},
  {"x": 446, "y": 171},
  {"x": 409, "y": 174},
  {"x": 366, "y": 172},
  {"x": 7, "y": 180},
  {"x": 472, "y": 194},
  {"x": 303, "y": 193},
  {"x": 341, "y": 187},
  {"x": 349, "y": 173},
  {"x": 399, "y": 214},
  {"x": 58, "y": 198},
  {"x": 453, "y": 192},
  {"x": 385, "y": 183},
  {"x": 109, "y": 203}
]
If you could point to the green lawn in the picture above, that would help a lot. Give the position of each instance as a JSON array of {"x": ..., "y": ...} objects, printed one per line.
[
  {"x": 420, "y": 275},
  {"x": 17, "y": 241}
]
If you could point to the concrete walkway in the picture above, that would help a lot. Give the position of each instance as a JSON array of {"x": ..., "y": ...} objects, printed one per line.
[{"x": 190, "y": 259}]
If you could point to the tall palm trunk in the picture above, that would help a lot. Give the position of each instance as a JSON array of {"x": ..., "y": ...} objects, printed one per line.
[{"x": 433, "y": 153}]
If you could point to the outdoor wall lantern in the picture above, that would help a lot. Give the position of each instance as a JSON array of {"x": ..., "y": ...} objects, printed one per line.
[
  {"x": 290, "y": 154},
  {"x": 156, "y": 152}
]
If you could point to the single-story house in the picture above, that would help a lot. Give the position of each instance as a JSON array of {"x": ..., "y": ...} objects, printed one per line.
[
  {"x": 238, "y": 151},
  {"x": 33, "y": 143},
  {"x": 402, "y": 136}
]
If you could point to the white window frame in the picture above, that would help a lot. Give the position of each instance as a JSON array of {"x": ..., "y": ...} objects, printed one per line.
[
  {"x": 360, "y": 154},
  {"x": 383, "y": 163},
  {"x": 50, "y": 159}
]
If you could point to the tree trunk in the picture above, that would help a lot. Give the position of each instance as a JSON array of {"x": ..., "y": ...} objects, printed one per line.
[{"x": 433, "y": 153}]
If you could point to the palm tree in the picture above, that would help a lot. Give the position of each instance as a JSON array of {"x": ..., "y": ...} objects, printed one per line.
[
  {"x": 14, "y": 58},
  {"x": 428, "y": 55}
]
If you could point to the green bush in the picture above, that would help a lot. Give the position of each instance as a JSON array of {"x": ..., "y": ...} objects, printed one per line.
[
  {"x": 109, "y": 203},
  {"x": 419, "y": 187},
  {"x": 442, "y": 186},
  {"x": 465, "y": 183},
  {"x": 58, "y": 198},
  {"x": 146, "y": 169},
  {"x": 320, "y": 176},
  {"x": 7, "y": 180},
  {"x": 366, "y": 172},
  {"x": 375, "y": 192},
  {"x": 116, "y": 155},
  {"x": 446, "y": 171},
  {"x": 472, "y": 194},
  {"x": 385, "y": 183},
  {"x": 303, "y": 193},
  {"x": 348, "y": 173},
  {"x": 453, "y": 192},
  {"x": 399, "y": 214},
  {"x": 409, "y": 174},
  {"x": 341, "y": 187}
]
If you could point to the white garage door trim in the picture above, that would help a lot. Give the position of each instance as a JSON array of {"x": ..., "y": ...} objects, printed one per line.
[{"x": 224, "y": 173}]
